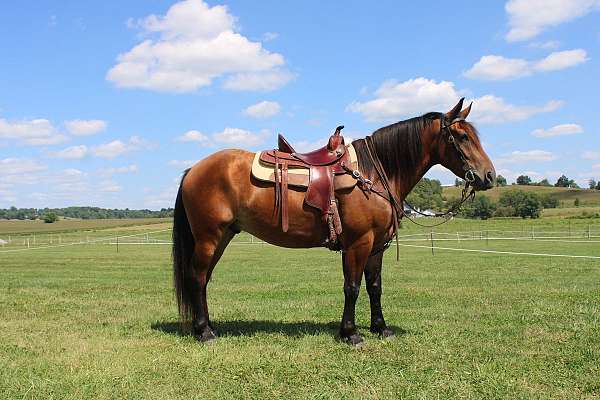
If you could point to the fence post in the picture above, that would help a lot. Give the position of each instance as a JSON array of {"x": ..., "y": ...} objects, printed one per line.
[
  {"x": 487, "y": 237},
  {"x": 431, "y": 233},
  {"x": 589, "y": 233},
  {"x": 457, "y": 237},
  {"x": 117, "y": 243},
  {"x": 27, "y": 242}
]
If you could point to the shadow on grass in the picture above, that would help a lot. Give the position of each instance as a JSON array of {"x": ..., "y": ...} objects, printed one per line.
[{"x": 249, "y": 328}]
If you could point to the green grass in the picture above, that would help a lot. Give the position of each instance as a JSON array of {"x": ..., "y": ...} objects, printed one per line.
[
  {"x": 88, "y": 322},
  {"x": 566, "y": 196},
  {"x": 66, "y": 225}
]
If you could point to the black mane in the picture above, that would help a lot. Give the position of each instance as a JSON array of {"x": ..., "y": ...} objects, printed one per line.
[{"x": 398, "y": 146}]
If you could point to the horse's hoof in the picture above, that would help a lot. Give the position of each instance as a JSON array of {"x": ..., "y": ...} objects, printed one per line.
[
  {"x": 384, "y": 333},
  {"x": 354, "y": 339},
  {"x": 207, "y": 336}
]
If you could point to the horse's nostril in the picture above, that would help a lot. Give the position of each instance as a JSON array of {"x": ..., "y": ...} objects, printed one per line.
[{"x": 490, "y": 176}]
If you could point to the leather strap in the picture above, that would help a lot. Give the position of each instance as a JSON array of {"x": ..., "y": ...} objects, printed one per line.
[{"x": 284, "y": 197}]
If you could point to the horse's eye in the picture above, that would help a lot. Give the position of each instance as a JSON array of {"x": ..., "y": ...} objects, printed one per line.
[{"x": 463, "y": 136}]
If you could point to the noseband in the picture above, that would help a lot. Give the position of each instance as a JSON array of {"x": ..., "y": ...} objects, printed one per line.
[{"x": 446, "y": 131}]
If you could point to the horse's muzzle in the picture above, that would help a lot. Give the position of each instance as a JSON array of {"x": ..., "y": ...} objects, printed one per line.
[{"x": 486, "y": 182}]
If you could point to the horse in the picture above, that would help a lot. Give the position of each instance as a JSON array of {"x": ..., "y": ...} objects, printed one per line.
[{"x": 218, "y": 197}]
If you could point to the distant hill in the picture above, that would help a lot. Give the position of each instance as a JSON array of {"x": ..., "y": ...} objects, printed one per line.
[
  {"x": 566, "y": 196},
  {"x": 83, "y": 213}
]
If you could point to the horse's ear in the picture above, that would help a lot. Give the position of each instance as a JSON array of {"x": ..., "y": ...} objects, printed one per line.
[
  {"x": 452, "y": 114},
  {"x": 465, "y": 113}
]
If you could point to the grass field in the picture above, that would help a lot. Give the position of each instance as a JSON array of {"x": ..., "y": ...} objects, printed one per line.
[
  {"x": 86, "y": 321},
  {"x": 566, "y": 196}
]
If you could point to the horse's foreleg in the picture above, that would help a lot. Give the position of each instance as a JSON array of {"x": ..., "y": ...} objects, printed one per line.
[
  {"x": 208, "y": 251},
  {"x": 373, "y": 280},
  {"x": 353, "y": 260}
]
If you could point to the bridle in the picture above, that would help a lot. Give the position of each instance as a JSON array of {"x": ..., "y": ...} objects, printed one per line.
[{"x": 468, "y": 191}]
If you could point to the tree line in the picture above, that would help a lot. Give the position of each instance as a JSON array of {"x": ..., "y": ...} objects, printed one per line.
[{"x": 51, "y": 214}]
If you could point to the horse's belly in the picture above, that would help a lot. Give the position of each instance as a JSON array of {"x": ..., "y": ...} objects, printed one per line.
[{"x": 259, "y": 216}]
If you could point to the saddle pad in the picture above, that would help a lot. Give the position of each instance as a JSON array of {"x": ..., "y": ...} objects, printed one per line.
[{"x": 299, "y": 176}]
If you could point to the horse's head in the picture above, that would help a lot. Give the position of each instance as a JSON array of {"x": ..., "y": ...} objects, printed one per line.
[{"x": 460, "y": 149}]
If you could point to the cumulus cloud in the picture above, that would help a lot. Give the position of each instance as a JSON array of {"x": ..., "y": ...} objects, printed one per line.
[
  {"x": 194, "y": 45},
  {"x": 264, "y": 109},
  {"x": 501, "y": 68},
  {"x": 181, "y": 164},
  {"x": 82, "y": 127},
  {"x": 117, "y": 147},
  {"x": 395, "y": 100},
  {"x": 526, "y": 156},
  {"x": 127, "y": 169},
  {"x": 529, "y": 18},
  {"x": 34, "y": 132},
  {"x": 71, "y": 153},
  {"x": 238, "y": 137},
  {"x": 558, "y": 130},
  {"x": 192, "y": 136}
]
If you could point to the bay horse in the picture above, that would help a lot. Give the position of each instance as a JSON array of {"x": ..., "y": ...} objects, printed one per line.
[{"x": 218, "y": 197}]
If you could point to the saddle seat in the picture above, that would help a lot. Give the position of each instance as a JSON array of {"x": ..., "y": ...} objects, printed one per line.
[{"x": 323, "y": 165}]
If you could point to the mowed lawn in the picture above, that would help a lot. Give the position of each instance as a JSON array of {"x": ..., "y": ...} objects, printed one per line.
[{"x": 87, "y": 322}]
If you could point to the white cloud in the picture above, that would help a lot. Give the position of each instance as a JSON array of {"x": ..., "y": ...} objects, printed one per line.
[
  {"x": 591, "y": 155},
  {"x": 117, "y": 147},
  {"x": 71, "y": 153},
  {"x": 182, "y": 164},
  {"x": 498, "y": 68},
  {"x": 192, "y": 136},
  {"x": 34, "y": 132},
  {"x": 526, "y": 156},
  {"x": 80, "y": 127},
  {"x": 238, "y": 137},
  {"x": 395, "y": 100},
  {"x": 558, "y": 130},
  {"x": 528, "y": 18},
  {"x": 264, "y": 109},
  {"x": 197, "y": 43},
  {"x": 16, "y": 166},
  {"x": 501, "y": 68},
  {"x": 596, "y": 166},
  {"x": 561, "y": 60},
  {"x": 490, "y": 109},
  {"x": 261, "y": 81},
  {"x": 548, "y": 45},
  {"x": 128, "y": 169},
  {"x": 268, "y": 36}
]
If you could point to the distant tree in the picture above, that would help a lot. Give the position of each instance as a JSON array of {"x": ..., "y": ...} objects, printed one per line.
[
  {"x": 549, "y": 201},
  {"x": 544, "y": 182},
  {"x": 481, "y": 207},
  {"x": 598, "y": 186},
  {"x": 50, "y": 218},
  {"x": 563, "y": 181},
  {"x": 500, "y": 180},
  {"x": 525, "y": 204},
  {"x": 458, "y": 182},
  {"x": 576, "y": 202},
  {"x": 523, "y": 180},
  {"x": 592, "y": 183},
  {"x": 426, "y": 194}
]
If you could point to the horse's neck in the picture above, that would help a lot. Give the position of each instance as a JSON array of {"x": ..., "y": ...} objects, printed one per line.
[{"x": 405, "y": 182}]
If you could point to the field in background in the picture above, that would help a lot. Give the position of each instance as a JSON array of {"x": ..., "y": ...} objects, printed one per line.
[
  {"x": 99, "y": 321},
  {"x": 566, "y": 196},
  {"x": 64, "y": 225}
]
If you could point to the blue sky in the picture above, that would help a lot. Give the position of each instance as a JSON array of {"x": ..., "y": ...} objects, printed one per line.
[{"x": 105, "y": 103}]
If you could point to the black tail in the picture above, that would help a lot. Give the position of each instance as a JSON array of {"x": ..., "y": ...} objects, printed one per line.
[{"x": 183, "y": 253}]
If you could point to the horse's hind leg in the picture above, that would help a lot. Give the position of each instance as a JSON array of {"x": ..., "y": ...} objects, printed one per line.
[
  {"x": 208, "y": 250},
  {"x": 373, "y": 280}
]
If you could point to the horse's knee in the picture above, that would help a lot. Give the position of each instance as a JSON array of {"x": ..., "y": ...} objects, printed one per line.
[{"x": 351, "y": 290}]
